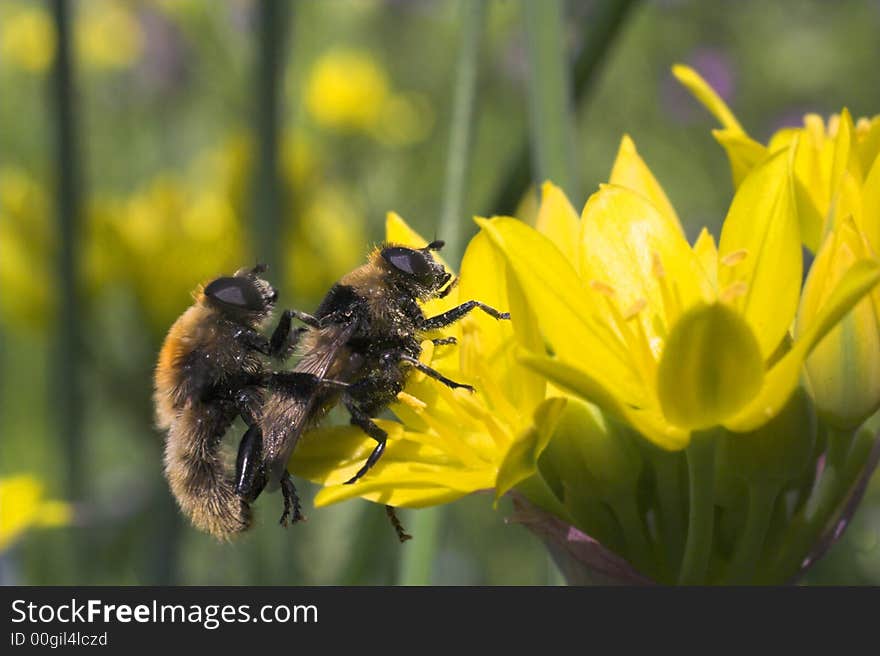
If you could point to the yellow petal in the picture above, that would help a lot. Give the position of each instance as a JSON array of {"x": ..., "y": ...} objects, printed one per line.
[
  {"x": 782, "y": 379},
  {"x": 711, "y": 367},
  {"x": 706, "y": 95},
  {"x": 870, "y": 221},
  {"x": 521, "y": 460},
  {"x": 843, "y": 143},
  {"x": 631, "y": 248},
  {"x": 762, "y": 225},
  {"x": 630, "y": 171},
  {"x": 843, "y": 370},
  {"x": 646, "y": 420},
  {"x": 568, "y": 320},
  {"x": 743, "y": 152},
  {"x": 707, "y": 254},
  {"x": 489, "y": 349},
  {"x": 868, "y": 141},
  {"x": 413, "y": 472},
  {"x": 398, "y": 231},
  {"x": 559, "y": 221}
]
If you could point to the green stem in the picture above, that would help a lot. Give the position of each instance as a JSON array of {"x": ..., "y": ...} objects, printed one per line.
[
  {"x": 701, "y": 516},
  {"x": 826, "y": 496},
  {"x": 762, "y": 498},
  {"x": 599, "y": 34},
  {"x": 463, "y": 118},
  {"x": 267, "y": 199},
  {"x": 638, "y": 547},
  {"x": 550, "y": 105},
  {"x": 419, "y": 554},
  {"x": 66, "y": 381},
  {"x": 669, "y": 496}
]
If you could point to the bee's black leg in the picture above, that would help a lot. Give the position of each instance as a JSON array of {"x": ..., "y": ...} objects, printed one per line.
[
  {"x": 291, "y": 501},
  {"x": 281, "y": 344},
  {"x": 360, "y": 419},
  {"x": 456, "y": 313},
  {"x": 443, "y": 341},
  {"x": 307, "y": 318},
  {"x": 402, "y": 535},
  {"x": 250, "y": 478},
  {"x": 299, "y": 381},
  {"x": 433, "y": 373}
]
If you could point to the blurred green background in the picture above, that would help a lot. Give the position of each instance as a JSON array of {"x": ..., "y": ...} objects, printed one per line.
[{"x": 174, "y": 109}]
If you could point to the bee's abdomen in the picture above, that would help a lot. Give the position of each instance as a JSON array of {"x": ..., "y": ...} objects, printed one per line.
[{"x": 196, "y": 473}]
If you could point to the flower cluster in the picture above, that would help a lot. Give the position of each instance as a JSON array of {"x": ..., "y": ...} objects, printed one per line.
[{"x": 661, "y": 410}]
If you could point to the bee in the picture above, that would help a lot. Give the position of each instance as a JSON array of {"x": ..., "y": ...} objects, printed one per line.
[
  {"x": 209, "y": 372},
  {"x": 366, "y": 335}
]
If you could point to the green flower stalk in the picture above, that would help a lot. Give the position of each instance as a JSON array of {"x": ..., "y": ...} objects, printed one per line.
[{"x": 659, "y": 410}]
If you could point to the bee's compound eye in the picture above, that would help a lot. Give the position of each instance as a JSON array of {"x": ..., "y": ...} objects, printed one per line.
[
  {"x": 407, "y": 260},
  {"x": 235, "y": 292}
]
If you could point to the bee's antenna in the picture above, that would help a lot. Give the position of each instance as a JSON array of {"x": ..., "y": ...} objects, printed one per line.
[
  {"x": 260, "y": 267},
  {"x": 435, "y": 245}
]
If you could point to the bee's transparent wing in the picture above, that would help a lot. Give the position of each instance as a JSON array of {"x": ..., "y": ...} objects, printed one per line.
[{"x": 289, "y": 409}]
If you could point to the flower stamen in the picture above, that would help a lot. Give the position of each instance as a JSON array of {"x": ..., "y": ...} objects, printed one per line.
[
  {"x": 734, "y": 257},
  {"x": 733, "y": 291}
]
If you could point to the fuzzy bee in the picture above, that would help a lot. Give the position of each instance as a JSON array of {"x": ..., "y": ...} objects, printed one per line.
[
  {"x": 211, "y": 371},
  {"x": 365, "y": 335}
]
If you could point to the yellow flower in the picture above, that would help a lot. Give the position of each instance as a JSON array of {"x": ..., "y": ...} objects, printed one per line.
[
  {"x": 346, "y": 90},
  {"x": 668, "y": 337},
  {"x": 843, "y": 371},
  {"x": 23, "y": 506},
  {"x": 837, "y": 190},
  {"x": 27, "y": 39},
  {"x": 451, "y": 442},
  {"x": 836, "y": 164}
]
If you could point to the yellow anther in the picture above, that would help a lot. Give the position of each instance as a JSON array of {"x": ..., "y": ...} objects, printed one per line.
[
  {"x": 634, "y": 309},
  {"x": 657, "y": 265},
  {"x": 733, "y": 292},
  {"x": 734, "y": 258},
  {"x": 833, "y": 125},
  {"x": 602, "y": 288}
]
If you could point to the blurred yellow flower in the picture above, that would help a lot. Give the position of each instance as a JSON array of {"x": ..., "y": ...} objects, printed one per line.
[
  {"x": 346, "y": 91},
  {"x": 326, "y": 241},
  {"x": 108, "y": 35},
  {"x": 407, "y": 118},
  {"x": 27, "y": 38},
  {"x": 27, "y": 247},
  {"x": 23, "y": 506},
  {"x": 169, "y": 234}
]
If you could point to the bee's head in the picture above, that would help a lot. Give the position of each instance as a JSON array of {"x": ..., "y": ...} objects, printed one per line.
[
  {"x": 243, "y": 297},
  {"x": 416, "y": 269}
]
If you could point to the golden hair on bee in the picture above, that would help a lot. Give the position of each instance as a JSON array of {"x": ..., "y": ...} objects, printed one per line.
[{"x": 209, "y": 372}]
